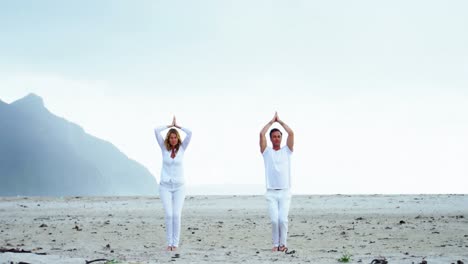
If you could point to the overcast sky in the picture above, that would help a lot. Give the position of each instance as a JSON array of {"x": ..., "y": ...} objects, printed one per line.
[{"x": 376, "y": 91}]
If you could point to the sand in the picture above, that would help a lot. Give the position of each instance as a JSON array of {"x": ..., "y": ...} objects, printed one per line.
[{"x": 236, "y": 229}]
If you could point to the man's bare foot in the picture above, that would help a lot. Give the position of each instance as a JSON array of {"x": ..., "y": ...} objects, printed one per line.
[
  {"x": 282, "y": 248},
  {"x": 174, "y": 248},
  {"x": 169, "y": 248},
  {"x": 274, "y": 249}
]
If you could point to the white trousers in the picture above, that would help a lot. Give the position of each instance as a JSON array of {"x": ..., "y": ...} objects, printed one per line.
[
  {"x": 172, "y": 197},
  {"x": 278, "y": 208}
]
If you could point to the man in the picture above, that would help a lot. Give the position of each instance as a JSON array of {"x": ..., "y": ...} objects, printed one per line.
[{"x": 277, "y": 161}]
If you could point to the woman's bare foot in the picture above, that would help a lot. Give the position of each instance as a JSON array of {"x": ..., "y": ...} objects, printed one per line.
[
  {"x": 282, "y": 248},
  {"x": 174, "y": 248},
  {"x": 274, "y": 249},
  {"x": 169, "y": 248}
]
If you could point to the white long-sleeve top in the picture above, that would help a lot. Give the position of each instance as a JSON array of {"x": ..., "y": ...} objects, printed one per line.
[{"x": 172, "y": 170}]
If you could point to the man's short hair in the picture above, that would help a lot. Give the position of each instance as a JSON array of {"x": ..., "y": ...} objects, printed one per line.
[{"x": 274, "y": 130}]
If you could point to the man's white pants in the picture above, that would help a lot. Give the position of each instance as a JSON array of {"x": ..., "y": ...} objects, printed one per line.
[
  {"x": 172, "y": 197},
  {"x": 278, "y": 208}
]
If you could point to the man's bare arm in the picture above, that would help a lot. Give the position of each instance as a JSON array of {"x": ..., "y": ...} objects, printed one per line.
[
  {"x": 263, "y": 141},
  {"x": 290, "y": 140}
]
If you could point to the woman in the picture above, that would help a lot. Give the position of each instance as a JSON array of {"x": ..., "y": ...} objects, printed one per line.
[{"x": 171, "y": 188}]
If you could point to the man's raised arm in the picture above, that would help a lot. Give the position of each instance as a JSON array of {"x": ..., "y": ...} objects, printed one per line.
[
  {"x": 263, "y": 142},
  {"x": 290, "y": 140}
]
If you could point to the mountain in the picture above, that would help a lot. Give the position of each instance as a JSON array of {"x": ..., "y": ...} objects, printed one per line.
[{"x": 42, "y": 154}]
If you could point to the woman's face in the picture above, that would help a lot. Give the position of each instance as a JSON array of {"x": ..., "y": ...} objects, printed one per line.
[{"x": 173, "y": 139}]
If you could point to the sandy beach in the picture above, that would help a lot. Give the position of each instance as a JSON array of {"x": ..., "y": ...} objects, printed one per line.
[{"x": 236, "y": 229}]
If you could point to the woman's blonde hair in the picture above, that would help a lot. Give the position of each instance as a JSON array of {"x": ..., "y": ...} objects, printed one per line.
[{"x": 166, "y": 141}]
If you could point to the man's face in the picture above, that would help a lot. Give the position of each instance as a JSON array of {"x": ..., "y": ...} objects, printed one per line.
[{"x": 276, "y": 138}]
